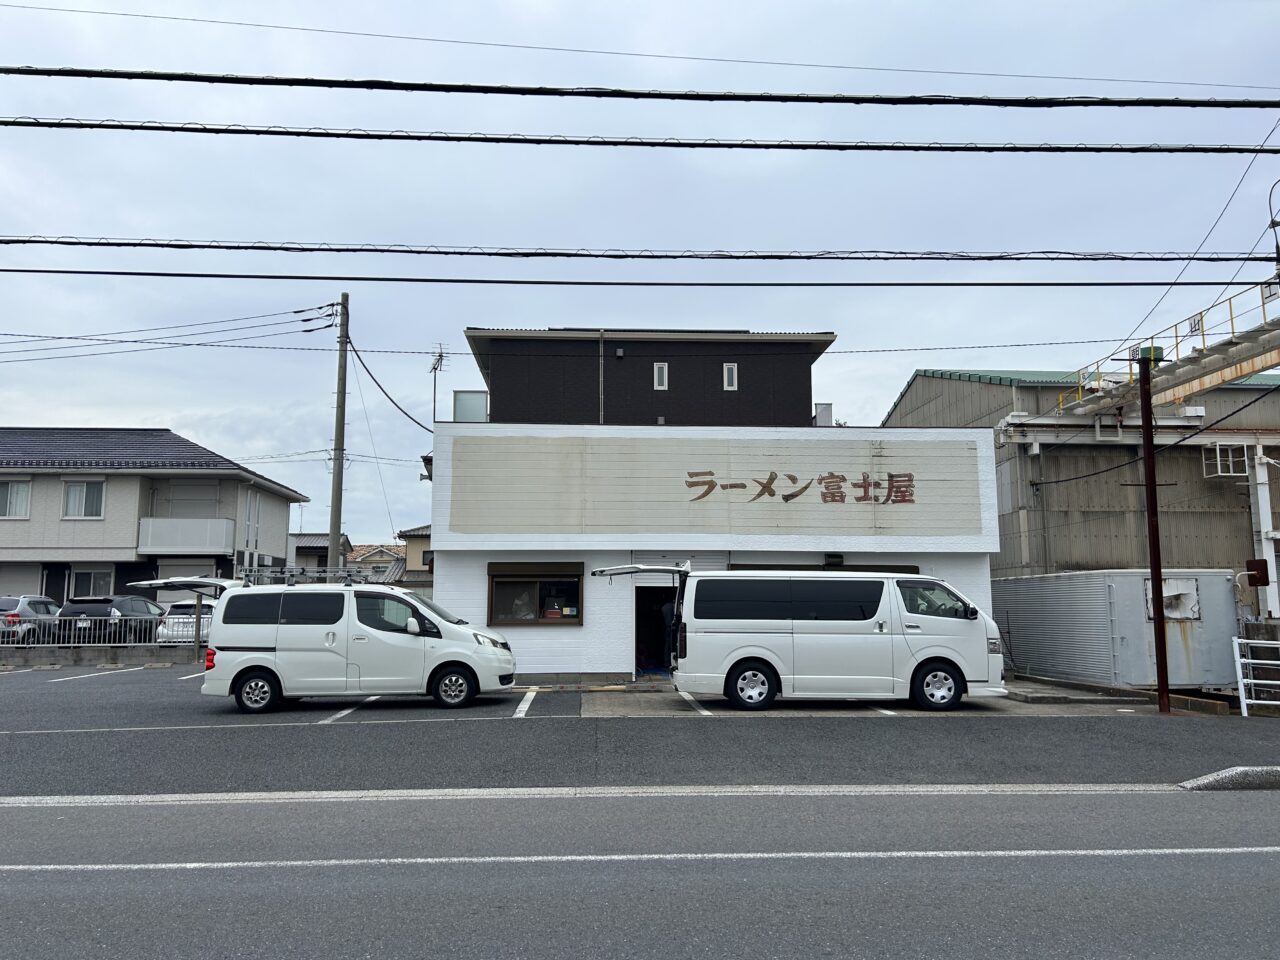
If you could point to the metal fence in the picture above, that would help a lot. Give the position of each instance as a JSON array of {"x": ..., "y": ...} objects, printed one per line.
[
  {"x": 76, "y": 631},
  {"x": 1257, "y": 672}
]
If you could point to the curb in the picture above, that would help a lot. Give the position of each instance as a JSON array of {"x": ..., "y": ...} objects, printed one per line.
[{"x": 1237, "y": 778}]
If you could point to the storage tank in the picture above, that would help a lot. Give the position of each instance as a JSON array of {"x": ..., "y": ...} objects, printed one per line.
[{"x": 1095, "y": 626}]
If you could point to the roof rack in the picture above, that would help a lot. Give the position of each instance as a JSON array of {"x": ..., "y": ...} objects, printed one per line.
[{"x": 346, "y": 576}]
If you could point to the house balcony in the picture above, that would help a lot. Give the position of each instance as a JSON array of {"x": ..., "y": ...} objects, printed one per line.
[{"x": 166, "y": 536}]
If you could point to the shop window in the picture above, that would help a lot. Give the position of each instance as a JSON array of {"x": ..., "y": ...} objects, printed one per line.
[{"x": 529, "y": 594}]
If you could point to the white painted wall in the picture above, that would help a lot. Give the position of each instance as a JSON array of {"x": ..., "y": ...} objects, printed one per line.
[{"x": 605, "y": 643}]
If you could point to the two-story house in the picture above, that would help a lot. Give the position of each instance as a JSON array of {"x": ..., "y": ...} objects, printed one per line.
[
  {"x": 597, "y": 448},
  {"x": 419, "y": 561},
  {"x": 84, "y": 511}
]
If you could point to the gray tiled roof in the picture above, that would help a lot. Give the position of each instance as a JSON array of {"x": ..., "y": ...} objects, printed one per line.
[
  {"x": 111, "y": 448},
  {"x": 422, "y": 531}
]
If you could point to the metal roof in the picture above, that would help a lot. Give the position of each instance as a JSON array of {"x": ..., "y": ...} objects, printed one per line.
[
  {"x": 119, "y": 450},
  {"x": 1057, "y": 378},
  {"x": 313, "y": 541}
]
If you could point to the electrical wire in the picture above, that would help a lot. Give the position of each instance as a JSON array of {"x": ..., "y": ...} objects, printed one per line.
[
  {"x": 373, "y": 446},
  {"x": 618, "y": 93},
  {"x": 182, "y": 326},
  {"x": 392, "y": 400},
  {"x": 174, "y": 342},
  {"x": 584, "y": 140},
  {"x": 1203, "y": 240},
  {"x": 1183, "y": 439},
  {"x": 624, "y": 53},
  {"x": 522, "y": 282},
  {"x": 615, "y": 253},
  {"x": 162, "y": 346}
]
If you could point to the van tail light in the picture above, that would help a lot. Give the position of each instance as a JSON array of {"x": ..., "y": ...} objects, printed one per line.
[
  {"x": 208, "y": 658},
  {"x": 12, "y": 619},
  {"x": 682, "y": 647}
]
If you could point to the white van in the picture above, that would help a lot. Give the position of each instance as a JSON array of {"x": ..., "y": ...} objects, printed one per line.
[
  {"x": 756, "y": 635},
  {"x": 271, "y": 643}
]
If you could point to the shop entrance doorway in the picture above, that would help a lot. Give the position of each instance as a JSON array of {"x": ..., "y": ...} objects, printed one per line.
[{"x": 651, "y": 629}]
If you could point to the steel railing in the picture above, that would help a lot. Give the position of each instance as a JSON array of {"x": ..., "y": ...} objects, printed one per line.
[
  {"x": 1257, "y": 672},
  {"x": 75, "y": 631}
]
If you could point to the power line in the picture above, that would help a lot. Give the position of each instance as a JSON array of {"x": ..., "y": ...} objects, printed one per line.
[
  {"x": 545, "y": 282},
  {"x": 1203, "y": 240},
  {"x": 392, "y": 400},
  {"x": 568, "y": 140},
  {"x": 162, "y": 346},
  {"x": 1183, "y": 439},
  {"x": 619, "y": 93},
  {"x": 611, "y": 253},
  {"x": 376, "y": 462},
  {"x": 183, "y": 326},
  {"x": 628, "y": 53},
  {"x": 174, "y": 342}
]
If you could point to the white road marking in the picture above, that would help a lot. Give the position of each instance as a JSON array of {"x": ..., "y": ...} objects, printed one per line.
[
  {"x": 753, "y": 857},
  {"x": 1125, "y": 710},
  {"x": 472, "y": 794},
  {"x": 696, "y": 705},
  {"x": 352, "y": 709},
  {"x": 525, "y": 704},
  {"x": 887, "y": 713},
  {"x": 5, "y": 673},
  {"x": 100, "y": 673},
  {"x": 192, "y": 676}
]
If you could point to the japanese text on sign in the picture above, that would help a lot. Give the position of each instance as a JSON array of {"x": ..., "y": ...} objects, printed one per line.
[{"x": 831, "y": 487}]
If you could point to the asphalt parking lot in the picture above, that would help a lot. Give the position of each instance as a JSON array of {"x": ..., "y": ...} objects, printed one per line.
[{"x": 79, "y": 698}]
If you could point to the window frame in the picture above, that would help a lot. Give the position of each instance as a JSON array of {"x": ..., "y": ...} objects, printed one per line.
[
  {"x": 92, "y": 572},
  {"x": 662, "y": 382},
  {"x": 921, "y": 584},
  {"x": 537, "y": 574},
  {"x": 730, "y": 383},
  {"x": 102, "y": 499},
  {"x": 9, "y": 483}
]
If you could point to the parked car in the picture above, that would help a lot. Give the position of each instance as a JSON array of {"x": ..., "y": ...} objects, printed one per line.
[
  {"x": 751, "y": 636},
  {"x": 268, "y": 644},
  {"x": 178, "y": 625},
  {"x": 110, "y": 619},
  {"x": 27, "y": 619}
]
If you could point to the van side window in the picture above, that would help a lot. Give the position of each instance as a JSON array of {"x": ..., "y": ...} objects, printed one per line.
[
  {"x": 312, "y": 609},
  {"x": 378, "y": 612},
  {"x": 253, "y": 606},
  {"x": 924, "y": 598},
  {"x": 746, "y": 599},
  {"x": 836, "y": 599}
]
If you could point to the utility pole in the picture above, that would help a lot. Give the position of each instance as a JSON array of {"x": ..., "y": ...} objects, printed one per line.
[
  {"x": 1147, "y": 358},
  {"x": 333, "y": 561}
]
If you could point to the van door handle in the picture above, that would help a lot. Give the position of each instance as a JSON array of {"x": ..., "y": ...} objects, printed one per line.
[
  {"x": 912, "y": 626},
  {"x": 330, "y": 639},
  {"x": 359, "y": 639},
  {"x": 880, "y": 626}
]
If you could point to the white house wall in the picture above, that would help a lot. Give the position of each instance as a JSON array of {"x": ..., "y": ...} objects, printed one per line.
[
  {"x": 510, "y": 487},
  {"x": 47, "y": 536},
  {"x": 605, "y": 643}
]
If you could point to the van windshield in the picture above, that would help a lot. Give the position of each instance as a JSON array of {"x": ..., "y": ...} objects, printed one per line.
[{"x": 435, "y": 608}]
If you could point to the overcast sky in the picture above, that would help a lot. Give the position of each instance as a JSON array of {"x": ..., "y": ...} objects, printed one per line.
[{"x": 245, "y": 403}]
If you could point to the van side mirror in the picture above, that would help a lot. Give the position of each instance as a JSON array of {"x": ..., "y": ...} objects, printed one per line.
[
  {"x": 971, "y": 612},
  {"x": 412, "y": 627}
]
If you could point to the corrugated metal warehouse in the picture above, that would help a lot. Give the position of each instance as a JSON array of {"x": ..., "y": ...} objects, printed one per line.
[{"x": 1208, "y": 484}]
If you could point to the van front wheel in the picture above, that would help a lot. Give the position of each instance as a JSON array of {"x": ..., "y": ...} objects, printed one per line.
[
  {"x": 937, "y": 686},
  {"x": 751, "y": 685},
  {"x": 453, "y": 687}
]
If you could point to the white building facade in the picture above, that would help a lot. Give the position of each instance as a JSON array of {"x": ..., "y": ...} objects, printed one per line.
[{"x": 523, "y": 512}]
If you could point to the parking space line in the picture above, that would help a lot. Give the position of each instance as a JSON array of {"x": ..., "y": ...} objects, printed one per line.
[
  {"x": 352, "y": 709},
  {"x": 4, "y": 673},
  {"x": 696, "y": 705},
  {"x": 191, "y": 676},
  {"x": 524, "y": 704},
  {"x": 887, "y": 713},
  {"x": 100, "y": 673}
]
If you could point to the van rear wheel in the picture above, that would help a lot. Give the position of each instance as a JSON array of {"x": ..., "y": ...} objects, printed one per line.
[
  {"x": 751, "y": 685},
  {"x": 258, "y": 692}
]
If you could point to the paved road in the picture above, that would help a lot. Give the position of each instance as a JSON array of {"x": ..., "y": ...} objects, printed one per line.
[
  {"x": 1127, "y": 874},
  {"x": 149, "y": 731}
]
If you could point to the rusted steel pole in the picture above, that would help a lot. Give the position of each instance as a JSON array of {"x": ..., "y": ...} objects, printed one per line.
[{"x": 1145, "y": 361}]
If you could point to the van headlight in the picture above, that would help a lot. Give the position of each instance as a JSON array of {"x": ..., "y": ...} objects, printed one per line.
[{"x": 484, "y": 640}]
